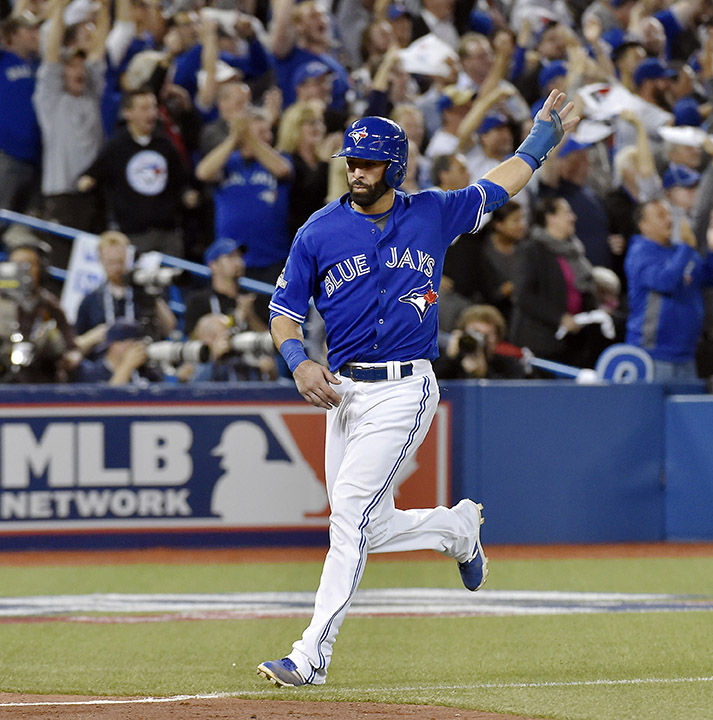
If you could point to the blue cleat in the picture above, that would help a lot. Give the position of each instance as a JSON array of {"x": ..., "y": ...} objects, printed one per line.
[
  {"x": 474, "y": 572},
  {"x": 283, "y": 673}
]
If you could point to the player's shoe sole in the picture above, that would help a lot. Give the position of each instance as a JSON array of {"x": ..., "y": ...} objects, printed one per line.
[
  {"x": 283, "y": 673},
  {"x": 474, "y": 572}
]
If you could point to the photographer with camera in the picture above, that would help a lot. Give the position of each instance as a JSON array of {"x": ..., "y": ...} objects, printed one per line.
[
  {"x": 472, "y": 349},
  {"x": 122, "y": 295},
  {"x": 38, "y": 342},
  {"x": 234, "y": 355},
  {"x": 224, "y": 257},
  {"x": 125, "y": 359}
]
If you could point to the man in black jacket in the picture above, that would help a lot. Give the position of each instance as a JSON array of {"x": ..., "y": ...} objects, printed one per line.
[{"x": 144, "y": 178}]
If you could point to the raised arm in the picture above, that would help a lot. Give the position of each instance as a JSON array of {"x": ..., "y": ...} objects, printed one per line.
[
  {"x": 97, "y": 47},
  {"x": 549, "y": 128},
  {"x": 55, "y": 32},
  {"x": 282, "y": 34},
  {"x": 210, "y": 167},
  {"x": 209, "y": 59}
]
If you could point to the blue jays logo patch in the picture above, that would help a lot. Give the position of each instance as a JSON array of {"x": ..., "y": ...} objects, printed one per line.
[
  {"x": 358, "y": 134},
  {"x": 421, "y": 298}
]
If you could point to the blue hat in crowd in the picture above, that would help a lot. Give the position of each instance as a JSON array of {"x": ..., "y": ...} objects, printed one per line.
[
  {"x": 481, "y": 22},
  {"x": 312, "y": 69},
  {"x": 571, "y": 145},
  {"x": 686, "y": 112},
  {"x": 222, "y": 246},
  {"x": 397, "y": 10},
  {"x": 123, "y": 330},
  {"x": 490, "y": 122},
  {"x": 550, "y": 71},
  {"x": 652, "y": 69},
  {"x": 453, "y": 95},
  {"x": 680, "y": 176}
]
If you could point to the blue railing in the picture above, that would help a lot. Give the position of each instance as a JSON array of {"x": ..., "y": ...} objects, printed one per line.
[{"x": 64, "y": 231}]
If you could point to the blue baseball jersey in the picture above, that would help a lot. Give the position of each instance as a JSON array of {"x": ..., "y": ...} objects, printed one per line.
[
  {"x": 377, "y": 291},
  {"x": 251, "y": 205},
  {"x": 19, "y": 130}
]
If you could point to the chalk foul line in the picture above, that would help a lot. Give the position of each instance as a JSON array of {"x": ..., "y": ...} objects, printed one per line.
[{"x": 247, "y": 694}]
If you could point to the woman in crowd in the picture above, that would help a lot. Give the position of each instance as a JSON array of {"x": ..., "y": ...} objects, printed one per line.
[{"x": 553, "y": 284}]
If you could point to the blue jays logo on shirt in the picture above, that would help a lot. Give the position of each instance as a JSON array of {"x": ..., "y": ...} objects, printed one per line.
[
  {"x": 358, "y": 134},
  {"x": 147, "y": 172},
  {"x": 421, "y": 299}
]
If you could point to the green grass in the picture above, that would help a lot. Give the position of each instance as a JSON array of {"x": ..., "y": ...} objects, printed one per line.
[{"x": 544, "y": 666}]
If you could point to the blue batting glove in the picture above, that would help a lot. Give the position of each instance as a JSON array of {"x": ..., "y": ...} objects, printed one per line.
[{"x": 545, "y": 135}]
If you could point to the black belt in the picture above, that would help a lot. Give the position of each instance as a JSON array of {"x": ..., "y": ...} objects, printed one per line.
[{"x": 374, "y": 373}]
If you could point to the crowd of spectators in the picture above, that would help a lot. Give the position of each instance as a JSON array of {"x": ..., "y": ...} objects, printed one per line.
[{"x": 204, "y": 129}]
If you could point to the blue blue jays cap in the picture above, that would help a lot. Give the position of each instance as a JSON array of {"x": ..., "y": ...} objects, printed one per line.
[
  {"x": 686, "y": 112},
  {"x": 397, "y": 10},
  {"x": 481, "y": 22},
  {"x": 222, "y": 246},
  {"x": 571, "y": 145},
  {"x": 550, "y": 71},
  {"x": 680, "y": 176},
  {"x": 123, "y": 330},
  {"x": 652, "y": 69},
  {"x": 452, "y": 95},
  {"x": 311, "y": 69},
  {"x": 490, "y": 122}
]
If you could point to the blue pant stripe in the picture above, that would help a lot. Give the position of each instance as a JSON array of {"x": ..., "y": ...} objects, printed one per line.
[{"x": 365, "y": 515}]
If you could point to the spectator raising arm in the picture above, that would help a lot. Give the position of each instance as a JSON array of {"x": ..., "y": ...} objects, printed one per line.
[{"x": 209, "y": 169}]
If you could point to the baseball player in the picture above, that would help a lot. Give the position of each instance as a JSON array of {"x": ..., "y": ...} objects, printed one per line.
[{"x": 372, "y": 261}]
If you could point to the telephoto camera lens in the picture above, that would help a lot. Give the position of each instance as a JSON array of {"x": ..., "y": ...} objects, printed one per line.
[
  {"x": 176, "y": 353},
  {"x": 257, "y": 343}
]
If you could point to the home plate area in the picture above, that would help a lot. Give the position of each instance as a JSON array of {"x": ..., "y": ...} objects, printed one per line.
[{"x": 407, "y": 602}]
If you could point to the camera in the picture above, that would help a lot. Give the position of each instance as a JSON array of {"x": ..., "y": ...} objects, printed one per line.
[
  {"x": 249, "y": 342},
  {"x": 154, "y": 281},
  {"x": 471, "y": 341},
  {"x": 176, "y": 353},
  {"x": 15, "y": 282}
]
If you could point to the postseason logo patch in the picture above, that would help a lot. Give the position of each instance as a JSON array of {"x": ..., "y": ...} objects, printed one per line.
[{"x": 281, "y": 282}]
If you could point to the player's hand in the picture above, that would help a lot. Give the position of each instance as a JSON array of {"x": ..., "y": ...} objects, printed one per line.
[
  {"x": 556, "y": 100},
  {"x": 313, "y": 381}
]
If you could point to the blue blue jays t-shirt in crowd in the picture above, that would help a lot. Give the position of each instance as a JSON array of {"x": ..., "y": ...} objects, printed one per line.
[
  {"x": 377, "y": 291},
  {"x": 19, "y": 131},
  {"x": 251, "y": 206}
]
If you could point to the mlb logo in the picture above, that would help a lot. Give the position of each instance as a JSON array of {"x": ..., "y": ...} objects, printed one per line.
[{"x": 426, "y": 483}]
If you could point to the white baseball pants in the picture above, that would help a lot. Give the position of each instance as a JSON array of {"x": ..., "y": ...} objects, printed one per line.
[{"x": 371, "y": 437}]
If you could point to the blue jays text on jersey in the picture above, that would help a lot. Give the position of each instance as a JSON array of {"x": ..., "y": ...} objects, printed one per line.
[{"x": 377, "y": 291}]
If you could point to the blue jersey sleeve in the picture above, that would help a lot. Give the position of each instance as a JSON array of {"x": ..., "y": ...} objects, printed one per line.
[
  {"x": 295, "y": 284},
  {"x": 462, "y": 210}
]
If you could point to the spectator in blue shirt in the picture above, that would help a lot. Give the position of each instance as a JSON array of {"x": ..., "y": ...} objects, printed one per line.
[
  {"x": 665, "y": 292},
  {"x": 251, "y": 194},
  {"x": 20, "y": 142}
]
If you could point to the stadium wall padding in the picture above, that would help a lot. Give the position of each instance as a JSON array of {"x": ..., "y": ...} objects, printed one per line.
[{"x": 552, "y": 461}]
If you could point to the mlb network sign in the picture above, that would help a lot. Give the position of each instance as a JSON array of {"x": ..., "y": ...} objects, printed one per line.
[{"x": 158, "y": 466}]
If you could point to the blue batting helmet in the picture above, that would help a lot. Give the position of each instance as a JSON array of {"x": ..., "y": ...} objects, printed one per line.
[{"x": 378, "y": 138}]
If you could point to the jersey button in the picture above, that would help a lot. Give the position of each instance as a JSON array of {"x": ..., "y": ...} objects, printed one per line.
[
  {"x": 376, "y": 345},
  {"x": 373, "y": 231},
  {"x": 383, "y": 292},
  {"x": 381, "y": 321}
]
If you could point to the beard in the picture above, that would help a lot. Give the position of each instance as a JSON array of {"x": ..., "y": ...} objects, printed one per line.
[{"x": 366, "y": 195}]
